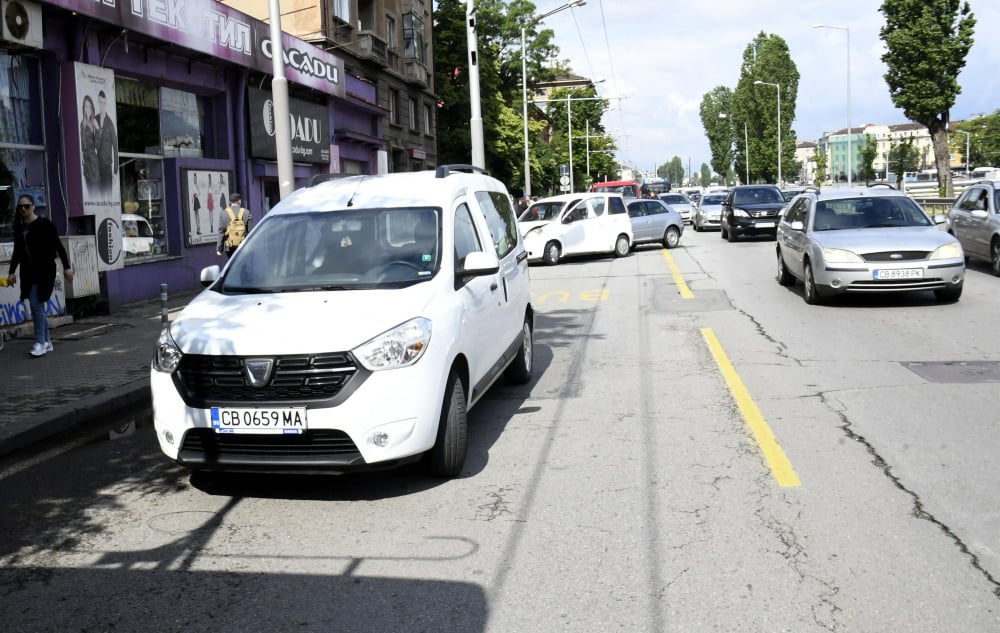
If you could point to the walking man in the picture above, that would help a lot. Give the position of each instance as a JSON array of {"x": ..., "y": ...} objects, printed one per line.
[{"x": 36, "y": 244}]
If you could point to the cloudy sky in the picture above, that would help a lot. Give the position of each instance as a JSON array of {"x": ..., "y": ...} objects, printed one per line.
[{"x": 664, "y": 56}]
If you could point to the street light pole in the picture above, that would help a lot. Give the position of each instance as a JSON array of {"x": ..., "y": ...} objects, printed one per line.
[
  {"x": 279, "y": 93},
  {"x": 778, "y": 87},
  {"x": 967, "y": 148},
  {"x": 476, "y": 118},
  {"x": 850, "y": 131},
  {"x": 524, "y": 85},
  {"x": 569, "y": 121}
]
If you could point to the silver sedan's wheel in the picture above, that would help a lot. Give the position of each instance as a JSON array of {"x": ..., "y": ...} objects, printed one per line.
[
  {"x": 995, "y": 257},
  {"x": 785, "y": 278},
  {"x": 622, "y": 246},
  {"x": 810, "y": 293},
  {"x": 672, "y": 237}
]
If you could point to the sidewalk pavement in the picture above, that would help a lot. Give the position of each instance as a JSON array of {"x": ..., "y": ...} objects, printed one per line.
[{"x": 100, "y": 364}]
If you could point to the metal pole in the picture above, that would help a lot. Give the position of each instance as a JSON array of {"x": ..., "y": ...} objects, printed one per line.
[
  {"x": 164, "y": 310},
  {"x": 569, "y": 129},
  {"x": 588, "y": 148},
  {"x": 850, "y": 131},
  {"x": 779, "y": 135},
  {"x": 524, "y": 98},
  {"x": 282, "y": 109},
  {"x": 746, "y": 143},
  {"x": 476, "y": 119}
]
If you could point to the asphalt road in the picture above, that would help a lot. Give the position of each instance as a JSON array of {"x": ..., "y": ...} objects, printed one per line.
[{"x": 698, "y": 451}]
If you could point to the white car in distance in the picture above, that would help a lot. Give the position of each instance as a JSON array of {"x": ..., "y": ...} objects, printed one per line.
[{"x": 576, "y": 224}]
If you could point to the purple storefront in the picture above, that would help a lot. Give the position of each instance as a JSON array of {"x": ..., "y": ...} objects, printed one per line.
[{"x": 135, "y": 121}]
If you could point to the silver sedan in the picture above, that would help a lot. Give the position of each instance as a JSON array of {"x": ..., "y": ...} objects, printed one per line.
[
  {"x": 866, "y": 241},
  {"x": 708, "y": 216}
]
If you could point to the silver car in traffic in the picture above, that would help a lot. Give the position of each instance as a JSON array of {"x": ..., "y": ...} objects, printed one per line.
[
  {"x": 708, "y": 215},
  {"x": 680, "y": 203},
  {"x": 654, "y": 221},
  {"x": 866, "y": 241},
  {"x": 975, "y": 221}
]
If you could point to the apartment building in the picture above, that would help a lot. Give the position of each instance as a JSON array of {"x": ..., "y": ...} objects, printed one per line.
[{"x": 386, "y": 43}]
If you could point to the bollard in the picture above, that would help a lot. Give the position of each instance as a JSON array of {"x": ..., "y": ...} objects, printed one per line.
[{"x": 164, "y": 312}]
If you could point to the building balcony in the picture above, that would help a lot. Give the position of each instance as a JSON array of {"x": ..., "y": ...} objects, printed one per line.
[
  {"x": 415, "y": 72},
  {"x": 370, "y": 46}
]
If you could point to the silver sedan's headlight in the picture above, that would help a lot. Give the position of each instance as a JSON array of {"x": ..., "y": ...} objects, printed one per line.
[
  {"x": 401, "y": 346},
  {"x": 168, "y": 355},
  {"x": 948, "y": 251},
  {"x": 840, "y": 256}
]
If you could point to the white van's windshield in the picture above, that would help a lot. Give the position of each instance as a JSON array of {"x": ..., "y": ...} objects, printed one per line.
[{"x": 340, "y": 250}]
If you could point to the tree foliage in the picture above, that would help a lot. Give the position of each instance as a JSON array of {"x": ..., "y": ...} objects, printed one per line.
[
  {"x": 821, "y": 167},
  {"x": 716, "y": 119},
  {"x": 499, "y": 25},
  {"x": 927, "y": 42},
  {"x": 984, "y": 140},
  {"x": 675, "y": 171},
  {"x": 869, "y": 152},
  {"x": 766, "y": 59},
  {"x": 904, "y": 156}
]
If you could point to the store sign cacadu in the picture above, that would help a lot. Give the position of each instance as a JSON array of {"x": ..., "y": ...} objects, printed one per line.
[
  {"x": 213, "y": 28},
  {"x": 310, "y": 125}
]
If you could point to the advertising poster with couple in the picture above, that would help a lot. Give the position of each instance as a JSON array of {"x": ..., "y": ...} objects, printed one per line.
[{"x": 95, "y": 96}]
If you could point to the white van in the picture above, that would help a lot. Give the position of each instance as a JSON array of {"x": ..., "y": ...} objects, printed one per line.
[
  {"x": 137, "y": 234},
  {"x": 352, "y": 329}
]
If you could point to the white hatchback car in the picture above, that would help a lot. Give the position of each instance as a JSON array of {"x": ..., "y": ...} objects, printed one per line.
[
  {"x": 576, "y": 224},
  {"x": 352, "y": 329}
]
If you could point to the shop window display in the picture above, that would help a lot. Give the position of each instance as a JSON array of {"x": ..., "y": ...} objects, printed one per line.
[
  {"x": 141, "y": 170},
  {"x": 22, "y": 150}
]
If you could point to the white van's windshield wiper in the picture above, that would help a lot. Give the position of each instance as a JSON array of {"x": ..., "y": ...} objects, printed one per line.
[{"x": 249, "y": 289}]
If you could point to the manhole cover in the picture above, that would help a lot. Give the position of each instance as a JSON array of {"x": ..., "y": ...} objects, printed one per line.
[{"x": 956, "y": 371}]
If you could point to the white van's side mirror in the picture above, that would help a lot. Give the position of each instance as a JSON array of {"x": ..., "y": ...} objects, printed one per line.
[
  {"x": 209, "y": 274},
  {"x": 478, "y": 263}
]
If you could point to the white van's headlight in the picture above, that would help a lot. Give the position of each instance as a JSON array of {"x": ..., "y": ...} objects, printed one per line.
[
  {"x": 167, "y": 355},
  {"x": 401, "y": 346}
]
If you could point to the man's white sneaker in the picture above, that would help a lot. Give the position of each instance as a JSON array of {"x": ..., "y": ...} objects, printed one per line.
[
  {"x": 48, "y": 346},
  {"x": 38, "y": 349}
]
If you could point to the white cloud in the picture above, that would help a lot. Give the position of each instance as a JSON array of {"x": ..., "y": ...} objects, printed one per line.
[{"x": 665, "y": 56}]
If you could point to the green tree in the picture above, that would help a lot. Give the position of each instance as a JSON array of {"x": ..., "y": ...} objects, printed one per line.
[
  {"x": 706, "y": 175},
  {"x": 983, "y": 141},
  {"x": 675, "y": 171},
  {"x": 903, "y": 157},
  {"x": 868, "y": 154},
  {"x": 716, "y": 119},
  {"x": 766, "y": 59},
  {"x": 926, "y": 45},
  {"x": 821, "y": 167}
]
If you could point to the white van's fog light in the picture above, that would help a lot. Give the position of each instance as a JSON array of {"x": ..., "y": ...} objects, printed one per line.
[
  {"x": 169, "y": 437},
  {"x": 379, "y": 438}
]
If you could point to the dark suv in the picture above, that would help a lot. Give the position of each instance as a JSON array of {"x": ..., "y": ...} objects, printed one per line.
[{"x": 751, "y": 210}]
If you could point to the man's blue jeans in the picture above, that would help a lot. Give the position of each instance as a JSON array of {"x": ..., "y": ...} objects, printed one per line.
[{"x": 38, "y": 316}]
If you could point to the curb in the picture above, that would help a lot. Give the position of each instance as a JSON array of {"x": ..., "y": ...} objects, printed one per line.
[{"x": 68, "y": 417}]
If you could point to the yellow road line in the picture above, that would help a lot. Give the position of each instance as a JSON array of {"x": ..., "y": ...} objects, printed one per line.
[
  {"x": 678, "y": 278},
  {"x": 780, "y": 466}
]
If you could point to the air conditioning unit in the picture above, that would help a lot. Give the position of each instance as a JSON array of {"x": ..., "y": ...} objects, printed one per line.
[{"x": 21, "y": 23}]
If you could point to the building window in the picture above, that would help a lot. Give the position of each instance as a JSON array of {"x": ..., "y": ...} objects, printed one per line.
[
  {"x": 22, "y": 149},
  {"x": 413, "y": 114},
  {"x": 140, "y": 166},
  {"x": 183, "y": 119},
  {"x": 366, "y": 15},
  {"x": 342, "y": 10},
  {"x": 391, "y": 34},
  {"x": 428, "y": 113},
  {"x": 413, "y": 37},
  {"x": 394, "y": 107}
]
